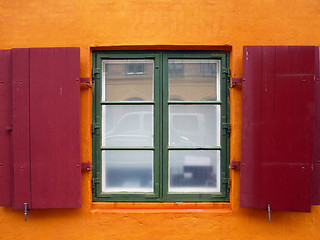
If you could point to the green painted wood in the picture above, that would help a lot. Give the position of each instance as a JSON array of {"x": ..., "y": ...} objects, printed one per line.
[{"x": 161, "y": 104}]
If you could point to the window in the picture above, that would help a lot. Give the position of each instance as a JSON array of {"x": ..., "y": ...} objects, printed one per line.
[{"x": 149, "y": 144}]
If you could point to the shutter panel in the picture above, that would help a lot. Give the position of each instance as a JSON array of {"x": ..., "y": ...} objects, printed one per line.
[
  {"x": 55, "y": 127},
  {"x": 5, "y": 125},
  {"x": 40, "y": 97},
  {"x": 278, "y": 127}
]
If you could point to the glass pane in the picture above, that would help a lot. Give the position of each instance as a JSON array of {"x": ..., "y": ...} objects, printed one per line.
[
  {"x": 127, "y": 171},
  {"x": 127, "y": 125},
  {"x": 127, "y": 80},
  {"x": 194, "y": 79},
  {"x": 194, "y": 125},
  {"x": 194, "y": 171}
]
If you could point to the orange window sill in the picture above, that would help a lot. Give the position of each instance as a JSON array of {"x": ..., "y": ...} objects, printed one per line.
[{"x": 160, "y": 207}]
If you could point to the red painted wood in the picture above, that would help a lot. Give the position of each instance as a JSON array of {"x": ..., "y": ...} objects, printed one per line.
[
  {"x": 20, "y": 117},
  {"x": 55, "y": 127},
  {"x": 316, "y": 157},
  {"x": 5, "y": 125},
  {"x": 286, "y": 106},
  {"x": 250, "y": 151}
]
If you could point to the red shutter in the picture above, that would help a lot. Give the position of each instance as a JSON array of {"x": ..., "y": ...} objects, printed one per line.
[
  {"x": 45, "y": 168},
  {"x": 5, "y": 125},
  {"x": 278, "y": 123}
]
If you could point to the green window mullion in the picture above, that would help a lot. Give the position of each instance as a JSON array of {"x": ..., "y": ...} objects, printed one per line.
[{"x": 165, "y": 126}]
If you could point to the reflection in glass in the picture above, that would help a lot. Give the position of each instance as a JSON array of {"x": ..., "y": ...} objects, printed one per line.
[
  {"x": 194, "y": 79},
  {"x": 127, "y": 79},
  {"x": 127, "y": 171},
  {"x": 194, "y": 125},
  {"x": 194, "y": 171},
  {"x": 127, "y": 125}
]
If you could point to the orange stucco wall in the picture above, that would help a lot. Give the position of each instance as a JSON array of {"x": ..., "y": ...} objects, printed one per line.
[{"x": 162, "y": 24}]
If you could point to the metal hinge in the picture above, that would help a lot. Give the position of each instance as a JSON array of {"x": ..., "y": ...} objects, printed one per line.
[
  {"x": 227, "y": 72},
  {"x": 95, "y": 71},
  {"x": 227, "y": 127},
  {"x": 95, "y": 129},
  {"x": 94, "y": 182},
  {"x": 226, "y": 181}
]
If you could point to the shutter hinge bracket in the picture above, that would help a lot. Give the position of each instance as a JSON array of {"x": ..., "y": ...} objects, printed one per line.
[
  {"x": 235, "y": 81},
  {"x": 86, "y": 166},
  {"x": 86, "y": 81},
  {"x": 234, "y": 164}
]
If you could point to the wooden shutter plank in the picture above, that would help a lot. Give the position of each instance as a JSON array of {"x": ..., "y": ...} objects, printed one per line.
[
  {"x": 249, "y": 169},
  {"x": 316, "y": 157},
  {"x": 5, "y": 125},
  {"x": 266, "y": 126},
  {"x": 55, "y": 127},
  {"x": 20, "y": 117}
]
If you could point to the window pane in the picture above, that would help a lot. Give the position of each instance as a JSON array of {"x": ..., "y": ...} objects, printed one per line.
[
  {"x": 194, "y": 79},
  {"x": 194, "y": 171},
  {"x": 194, "y": 125},
  {"x": 127, "y": 80},
  {"x": 127, "y": 125},
  {"x": 127, "y": 171}
]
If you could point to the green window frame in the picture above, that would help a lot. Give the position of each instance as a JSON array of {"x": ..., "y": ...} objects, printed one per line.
[{"x": 161, "y": 106}]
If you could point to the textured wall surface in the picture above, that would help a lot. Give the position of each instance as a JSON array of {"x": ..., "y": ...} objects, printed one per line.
[{"x": 158, "y": 24}]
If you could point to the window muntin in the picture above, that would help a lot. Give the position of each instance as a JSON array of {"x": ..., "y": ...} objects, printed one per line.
[{"x": 175, "y": 174}]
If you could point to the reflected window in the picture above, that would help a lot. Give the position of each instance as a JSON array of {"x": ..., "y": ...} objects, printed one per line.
[
  {"x": 176, "y": 69},
  {"x": 135, "y": 68},
  {"x": 208, "y": 69}
]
